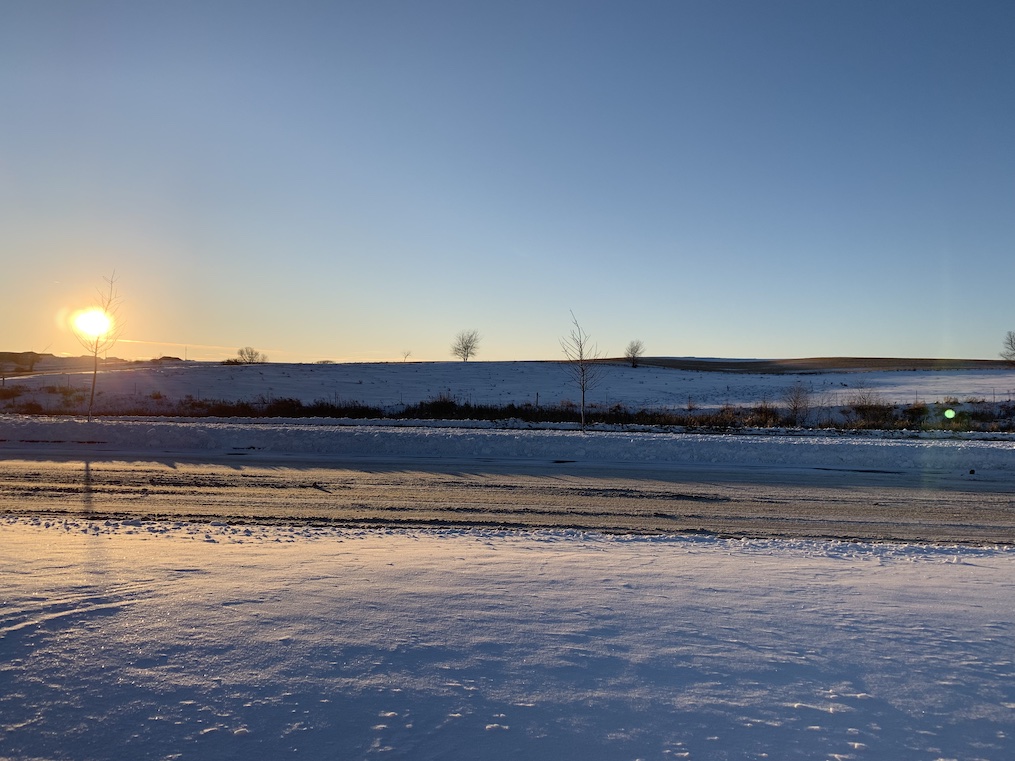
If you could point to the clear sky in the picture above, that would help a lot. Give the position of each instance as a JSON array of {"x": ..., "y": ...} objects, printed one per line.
[{"x": 351, "y": 180}]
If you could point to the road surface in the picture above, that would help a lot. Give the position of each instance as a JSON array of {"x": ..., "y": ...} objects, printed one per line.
[{"x": 629, "y": 497}]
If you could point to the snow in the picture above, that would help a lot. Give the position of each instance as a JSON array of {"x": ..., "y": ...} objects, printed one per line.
[
  {"x": 167, "y": 639},
  {"x": 503, "y": 382},
  {"x": 391, "y": 385},
  {"x": 164, "y": 640},
  {"x": 330, "y": 438}
]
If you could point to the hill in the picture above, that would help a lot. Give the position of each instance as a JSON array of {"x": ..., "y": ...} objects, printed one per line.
[
  {"x": 16, "y": 363},
  {"x": 821, "y": 364}
]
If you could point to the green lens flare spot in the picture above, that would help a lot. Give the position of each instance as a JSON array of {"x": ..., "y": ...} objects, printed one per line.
[{"x": 949, "y": 414}]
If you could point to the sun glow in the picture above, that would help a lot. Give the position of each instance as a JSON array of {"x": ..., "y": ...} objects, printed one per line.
[{"x": 92, "y": 323}]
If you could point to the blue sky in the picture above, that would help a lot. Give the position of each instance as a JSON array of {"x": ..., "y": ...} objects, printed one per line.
[{"x": 352, "y": 180}]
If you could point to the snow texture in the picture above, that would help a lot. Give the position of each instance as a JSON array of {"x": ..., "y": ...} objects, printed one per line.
[
  {"x": 174, "y": 640},
  {"x": 392, "y": 385},
  {"x": 325, "y": 437},
  {"x": 149, "y": 640}
]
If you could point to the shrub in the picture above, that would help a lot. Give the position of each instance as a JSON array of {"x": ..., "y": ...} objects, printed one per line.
[
  {"x": 983, "y": 412},
  {"x": 441, "y": 407},
  {"x": 285, "y": 407},
  {"x": 914, "y": 415},
  {"x": 11, "y": 392},
  {"x": 763, "y": 415},
  {"x": 866, "y": 409}
]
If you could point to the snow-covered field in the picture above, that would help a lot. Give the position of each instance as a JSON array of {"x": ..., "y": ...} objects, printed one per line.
[
  {"x": 166, "y": 639},
  {"x": 394, "y": 384}
]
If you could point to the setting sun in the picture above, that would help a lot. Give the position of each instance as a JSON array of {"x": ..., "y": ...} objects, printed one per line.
[{"x": 93, "y": 323}]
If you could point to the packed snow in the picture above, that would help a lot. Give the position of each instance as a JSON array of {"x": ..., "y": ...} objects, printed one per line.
[{"x": 174, "y": 640}]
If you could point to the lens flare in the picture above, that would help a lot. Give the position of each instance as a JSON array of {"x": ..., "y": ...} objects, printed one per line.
[
  {"x": 949, "y": 414},
  {"x": 92, "y": 323}
]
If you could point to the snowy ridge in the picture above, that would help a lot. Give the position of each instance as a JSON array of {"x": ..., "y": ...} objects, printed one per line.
[{"x": 234, "y": 532}]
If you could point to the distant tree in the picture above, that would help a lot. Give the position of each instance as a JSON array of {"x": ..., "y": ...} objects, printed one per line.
[
  {"x": 1008, "y": 350},
  {"x": 582, "y": 362},
  {"x": 634, "y": 351},
  {"x": 27, "y": 360},
  {"x": 248, "y": 355},
  {"x": 466, "y": 344},
  {"x": 406, "y": 353},
  {"x": 98, "y": 328}
]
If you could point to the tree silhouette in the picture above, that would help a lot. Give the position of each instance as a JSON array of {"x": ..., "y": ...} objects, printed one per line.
[
  {"x": 248, "y": 355},
  {"x": 466, "y": 344},
  {"x": 582, "y": 361},
  {"x": 634, "y": 351},
  {"x": 98, "y": 328},
  {"x": 1008, "y": 350}
]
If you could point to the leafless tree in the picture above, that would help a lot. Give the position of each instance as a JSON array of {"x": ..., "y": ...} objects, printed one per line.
[
  {"x": 27, "y": 360},
  {"x": 1008, "y": 350},
  {"x": 466, "y": 344},
  {"x": 248, "y": 355},
  {"x": 582, "y": 361},
  {"x": 98, "y": 328},
  {"x": 634, "y": 352},
  {"x": 798, "y": 403},
  {"x": 406, "y": 353}
]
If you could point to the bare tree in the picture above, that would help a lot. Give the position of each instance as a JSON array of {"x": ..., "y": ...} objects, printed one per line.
[
  {"x": 634, "y": 351},
  {"x": 98, "y": 328},
  {"x": 27, "y": 360},
  {"x": 248, "y": 355},
  {"x": 1008, "y": 350},
  {"x": 582, "y": 361},
  {"x": 798, "y": 403},
  {"x": 406, "y": 353},
  {"x": 466, "y": 344}
]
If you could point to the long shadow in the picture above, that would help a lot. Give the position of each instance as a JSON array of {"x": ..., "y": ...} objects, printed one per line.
[{"x": 88, "y": 489}]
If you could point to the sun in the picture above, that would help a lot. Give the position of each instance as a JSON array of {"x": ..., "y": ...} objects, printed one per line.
[{"x": 92, "y": 323}]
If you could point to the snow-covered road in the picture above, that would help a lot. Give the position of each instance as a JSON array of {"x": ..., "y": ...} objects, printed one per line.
[
  {"x": 866, "y": 487},
  {"x": 605, "y": 496}
]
